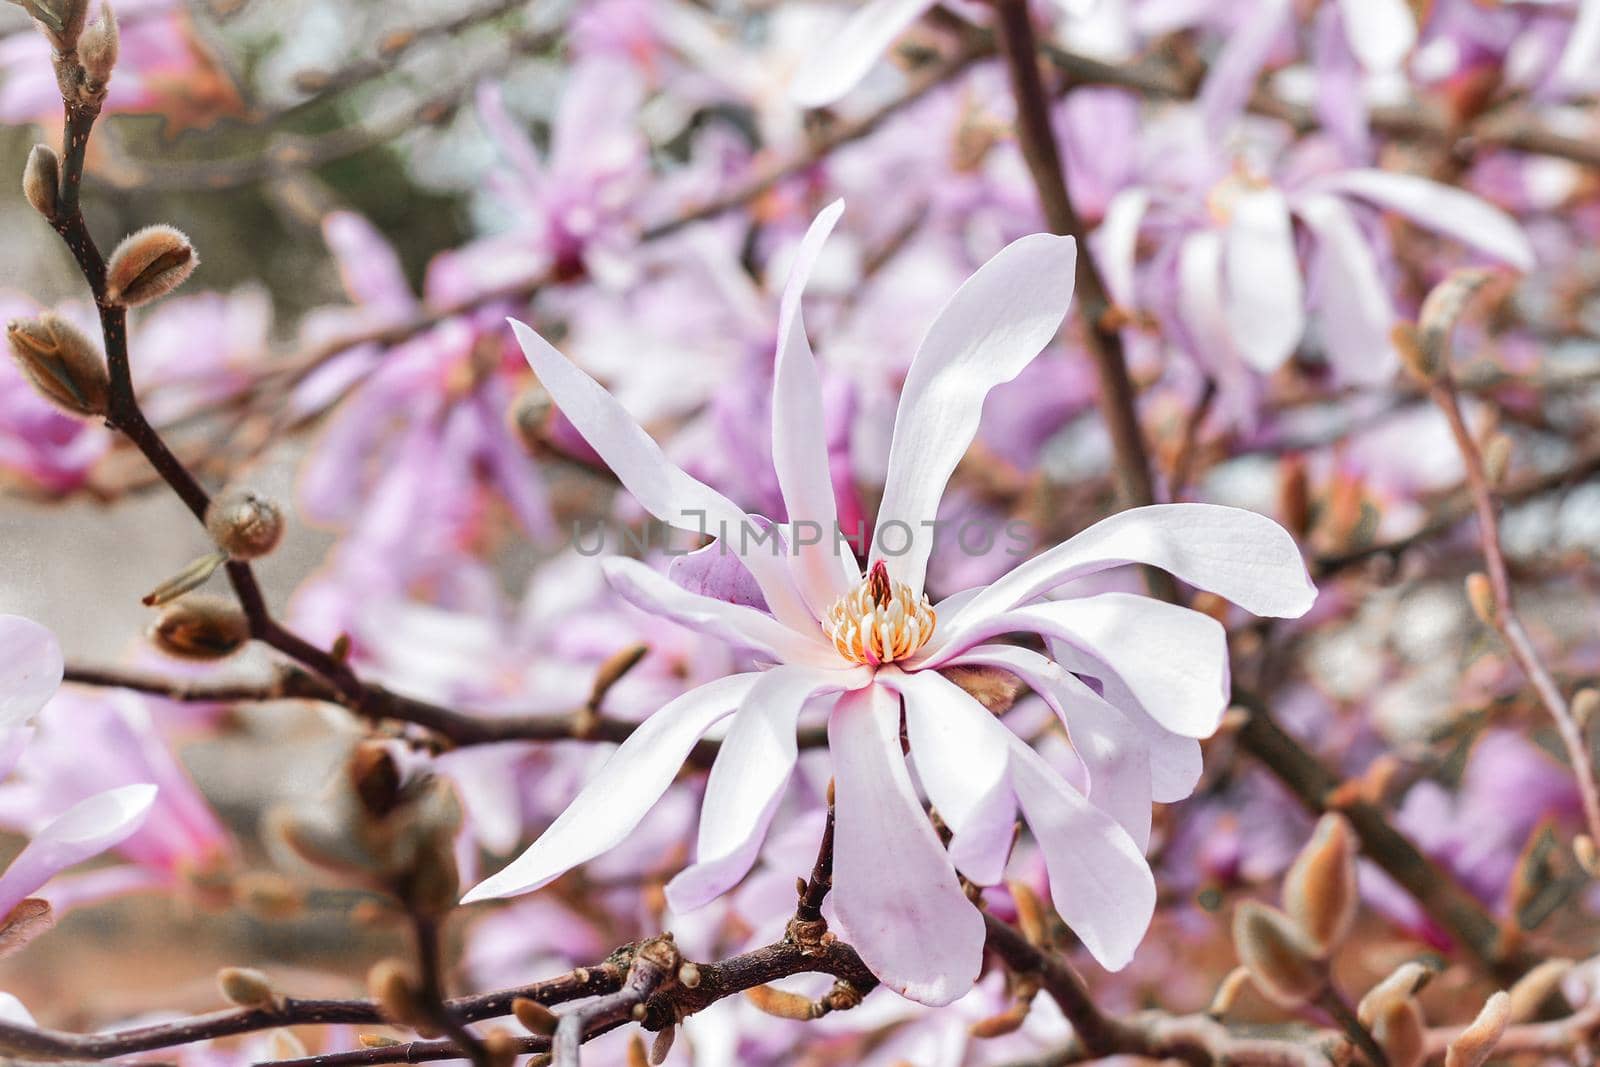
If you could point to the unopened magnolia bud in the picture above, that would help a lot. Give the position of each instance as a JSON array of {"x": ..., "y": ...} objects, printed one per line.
[
  {"x": 148, "y": 265},
  {"x": 1533, "y": 988},
  {"x": 1319, "y": 891},
  {"x": 782, "y": 1004},
  {"x": 530, "y": 415},
  {"x": 1282, "y": 966},
  {"x": 98, "y": 47},
  {"x": 1007, "y": 1022},
  {"x": 1402, "y": 984},
  {"x": 1030, "y": 914},
  {"x": 41, "y": 179},
  {"x": 1474, "y": 1045},
  {"x": 376, "y": 1041},
  {"x": 1417, "y": 360},
  {"x": 1480, "y": 594},
  {"x": 244, "y": 523},
  {"x": 192, "y": 577},
  {"x": 201, "y": 627},
  {"x": 535, "y": 1017},
  {"x": 1227, "y": 993},
  {"x": 1497, "y": 458},
  {"x": 269, "y": 895},
  {"x": 1585, "y": 702},
  {"x": 1401, "y": 1032},
  {"x": 662, "y": 1045},
  {"x": 501, "y": 1048},
  {"x": 636, "y": 1056},
  {"x": 1588, "y": 858},
  {"x": 246, "y": 987},
  {"x": 391, "y": 986},
  {"x": 62, "y": 363},
  {"x": 1294, "y": 494}
]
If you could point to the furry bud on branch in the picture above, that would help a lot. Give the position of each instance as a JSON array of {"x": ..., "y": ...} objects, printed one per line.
[
  {"x": 246, "y": 987},
  {"x": 201, "y": 628},
  {"x": 534, "y": 1016},
  {"x": 1474, "y": 1045},
  {"x": 1319, "y": 891},
  {"x": 244, "y": 523},
  {"x": 41, "y": 180},
  {"x": 62, "y": 363},
  {"x": 1282, "y": 966},
  {"x": 1480, "y": 594},
  {"x": 98, "y": 48},
  {"x": 148, "y": 265}
]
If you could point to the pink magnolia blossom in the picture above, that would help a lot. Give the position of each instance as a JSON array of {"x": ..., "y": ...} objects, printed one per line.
[{"x": 868, "y": 650}]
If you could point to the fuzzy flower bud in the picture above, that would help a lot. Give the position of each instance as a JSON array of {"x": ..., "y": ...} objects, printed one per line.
[
  {"x": 1497, "y": 458},
  {"x": 501, "y": 1048},
  {"x": 534, "y": 1016},
  {"x": 1319, "y": 891},
  {"x": 1533, "y": 988},
  {"x": 782, "y": 1004},
  {"x": 41, "y": 179},
  {"x": 201, "y": 628},
  {"x": 98, "y": 48},
  {"x": 1402, "y": 984},
  {"x": 244, "y": 523},
  {"x": 1401, "y": 1032},
  {"x": 1474, "y": 1045},
  {"x": 1480, "y": 594},
  {"x": 149, "y": 264},
  {"x": 391, "y": 986},
  {"x": 1282, "y": 966},
  {"x": 246, "y": 987},
  {"x": 62, "y": 363}
]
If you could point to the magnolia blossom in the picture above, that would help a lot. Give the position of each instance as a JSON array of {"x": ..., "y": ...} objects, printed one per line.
[{"x": 867, "y": 650}]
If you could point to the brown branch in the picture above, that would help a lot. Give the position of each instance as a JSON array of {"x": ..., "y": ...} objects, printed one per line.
[{"x": 430, "y": 990}]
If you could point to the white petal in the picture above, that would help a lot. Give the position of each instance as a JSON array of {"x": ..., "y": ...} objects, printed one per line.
[
  {"x": 1351, "y": 298},
  {"x": 85, "y": 830},
  {"x": 1116, "y": 242},
  {"x": 1266, "y": 300},
  {"x": 1113, "y": 749},
  {"x": 661, "y": 487},
  {"x": 748, "y": 779},
  {"x": 30, "y": 669},
  {"x": 1578, "y": 70},
  {"x": 1099, "y": 880},
  {"x": 839, "y": 63},
  {"x": 1380, "y": 32},
  {"x": 962, "y": 770},
  {"x": 1442, "y": 208},
  {"x": 742, "y": 627},
  {"x": 799, "y": 447},
  {"x": 895, "y": 893},
  {"x": 1236, "y": 554},
  {"x": 613, "y": 802},
  {"x": 992, "y": 328}
]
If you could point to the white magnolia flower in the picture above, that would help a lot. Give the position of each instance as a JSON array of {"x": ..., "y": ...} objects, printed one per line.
[{"x": 866, "y": 650}]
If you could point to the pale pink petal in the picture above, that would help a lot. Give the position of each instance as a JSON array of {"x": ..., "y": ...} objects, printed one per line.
[
  {"x": 963, "y": 772},
  {"x": 799, "y": 447},
  {"x": 993, "y": 326},
  {"x": 85, "y": 830},
  {"x": 661, "y": 486},
  {"x": 368, "y": 264},
  {"x": 1174, "y": 661},
  {"x": 1110, "y": 745},
  {"x": 613, "y": 802},
  {"x": 30, "y": 669},
  {"x": 748, "y": 780},
  {"x": 746, "y": 628},
  {"x": 839, "y": 63},
  {"x": 1099, "y": 880},
  {"x": 1236, "y": 554},
  {"x": 509, "y": 137},
  {"x": 1233, "y": 73},
  {"x": 1380, "y": 32},
  {"x": 715, "y": 572},
  {"x": 1442, "y": 208},
  {"x": 1351, "y": 298},
  {"x": 1116, "y": 242},
  {"x": 1265, "y": 296},
  {"x": 895, "y": 893}
]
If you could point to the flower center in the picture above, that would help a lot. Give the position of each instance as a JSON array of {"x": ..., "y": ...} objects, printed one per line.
[{"x": 879, "y": 621}]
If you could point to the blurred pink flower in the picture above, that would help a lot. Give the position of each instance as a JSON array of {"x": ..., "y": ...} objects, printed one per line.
[{"x": 866, "y": 646}]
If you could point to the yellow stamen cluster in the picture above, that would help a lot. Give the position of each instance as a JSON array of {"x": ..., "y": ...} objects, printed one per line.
[{"x": 880, "y": 621}]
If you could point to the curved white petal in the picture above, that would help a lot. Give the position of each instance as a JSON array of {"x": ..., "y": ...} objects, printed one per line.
[
  {"x": 30, "y": 669},
  {"x": 992, "y": 328},
  {"x": 1112, "y": 748},
  {"x": 748, "y": 780},
  {"x": 611, "y": 803},
  {"x": 838, "y": 64},
  {"x": 742, "y": 627},
  {"x": 661, "y": 486},
  {"x": 1442, "y": 208},
  {"x": 85, "y": 830},
  {"x": 1265, "y": 296},
  {"x": 1380, "y": 32},
  {"x": 1357, "y": 315},
  {"x": 1578, "y": 69},
  {"x": 962, "y": 771},
  {"x": 822, "y": 570},
  {"x": 895, "y": 893},
  {"x": 1100, "y": 883},
  {"x": 1237, "y": 554},
  {"x": 1116, "y": 242}
]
